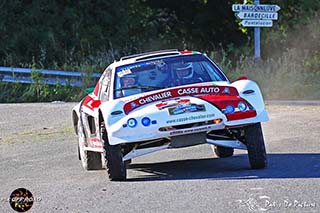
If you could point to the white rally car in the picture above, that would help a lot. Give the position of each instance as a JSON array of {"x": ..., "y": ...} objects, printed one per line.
[{"x": 167, "y": 99}]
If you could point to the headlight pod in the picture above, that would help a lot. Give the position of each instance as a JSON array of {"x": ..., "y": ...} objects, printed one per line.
[
  {"x": 145, "y": 121},
  {"x": 132, "y": 122},
  {"x": 242, "y": 106}
]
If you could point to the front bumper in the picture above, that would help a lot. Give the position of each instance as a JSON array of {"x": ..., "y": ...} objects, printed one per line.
[{"x": 165, "y": 125}]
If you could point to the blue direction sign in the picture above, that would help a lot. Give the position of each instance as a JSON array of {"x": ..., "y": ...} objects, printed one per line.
[
  {"x": 257, "y": 15},
  {"x": 257, "y": 23},
  {"x": 255, "y": 8}
]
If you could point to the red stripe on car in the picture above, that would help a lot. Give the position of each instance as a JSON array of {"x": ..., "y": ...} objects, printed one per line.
[
  {"x": 90, "y": 103},
  {"x": 207, "y": 90}
]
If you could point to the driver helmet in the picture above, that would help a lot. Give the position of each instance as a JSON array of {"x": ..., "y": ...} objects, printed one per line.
[
  {"x": 128, "y": 80},
  {"x": 184, "y": 70}
]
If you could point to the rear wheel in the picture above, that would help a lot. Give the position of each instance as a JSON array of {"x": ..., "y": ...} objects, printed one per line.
[
  {"x": 222, "y": 152},
  {"x": 115, "y": 166},
  {"x": 89, "y": 160},
  {"x": 255, "y": 145}
]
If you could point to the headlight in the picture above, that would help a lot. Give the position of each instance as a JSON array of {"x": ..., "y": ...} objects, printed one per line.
[
  {"x": 229, "y": 109},
  {"x": 242, "y": 106},
  {"x": 146, "y": 121},
  {"x": 132, "y": 122}
]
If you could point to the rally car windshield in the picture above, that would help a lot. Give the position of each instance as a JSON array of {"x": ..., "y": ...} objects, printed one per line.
[{"x": 164, "y": 73}]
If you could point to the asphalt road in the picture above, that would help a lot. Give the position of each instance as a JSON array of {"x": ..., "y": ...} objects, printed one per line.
[{"x": 38, "y": 151}]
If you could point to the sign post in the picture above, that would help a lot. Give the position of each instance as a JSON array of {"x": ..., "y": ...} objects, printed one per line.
[
  {"x": 256, "y": 15},
  {"x": 257, "y": 52}
]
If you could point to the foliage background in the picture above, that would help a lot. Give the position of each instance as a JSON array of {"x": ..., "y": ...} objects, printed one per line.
[{"x": 89, "y": 34}]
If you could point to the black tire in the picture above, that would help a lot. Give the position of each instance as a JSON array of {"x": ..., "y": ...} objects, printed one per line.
[
  {"x": 79, "y": 156},
  {"x": 90, "y": 160},
  {"x": 128, "y": 162},
  {"x": 255, "y": 145},
  {"x": 115, "y": 166},
  {"x": 223, "y": 152}
]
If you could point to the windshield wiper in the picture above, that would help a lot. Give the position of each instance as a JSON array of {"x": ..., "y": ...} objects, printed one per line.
[{"x": 139, "y": 87}]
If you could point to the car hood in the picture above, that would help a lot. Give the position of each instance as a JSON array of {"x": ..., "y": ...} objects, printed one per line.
[{"x": 197, "y": 90}]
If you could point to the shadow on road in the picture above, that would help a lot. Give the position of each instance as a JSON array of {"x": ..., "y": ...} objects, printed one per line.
[{"x": 282, "y": 165}]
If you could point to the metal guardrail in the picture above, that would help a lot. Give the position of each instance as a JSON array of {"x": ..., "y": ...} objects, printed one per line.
[{"x": 50, "y": 77}]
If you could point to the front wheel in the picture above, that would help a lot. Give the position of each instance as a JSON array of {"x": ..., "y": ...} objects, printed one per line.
[
  {"x": 255, "y": 145},
  {"x": 115, "y": 166}
]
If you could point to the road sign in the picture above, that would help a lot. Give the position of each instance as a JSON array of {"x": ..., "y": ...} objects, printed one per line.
[
  {"x": 257, "y": 23},
  {"x": 257, "y": 15},
  {"x": 255, "y": 8}
]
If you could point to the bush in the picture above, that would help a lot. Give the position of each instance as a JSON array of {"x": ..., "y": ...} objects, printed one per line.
[{"x": 294, "y": 75}]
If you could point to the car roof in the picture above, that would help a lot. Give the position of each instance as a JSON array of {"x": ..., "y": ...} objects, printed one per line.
[{"x": 149, "y": 55}]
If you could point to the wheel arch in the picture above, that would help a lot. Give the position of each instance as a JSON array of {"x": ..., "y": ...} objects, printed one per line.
[{"x": 101, "y": 119}]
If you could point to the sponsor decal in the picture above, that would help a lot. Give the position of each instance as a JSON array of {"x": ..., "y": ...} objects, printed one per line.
[
  {"x": 189, "y": 130},
  {"x": 131, "y": 68},
  {"x": 186, "y": 108},
  {"x": 197, "y": 90},
  {"x": 185, "y": 91},
  {"x": 190, "y": 118},
  {"x": 133, "y": 105},
  {"x": 153, "y": 98},
  {"x": 156, "y": 62},
  {"x": 179, "y": 106},
  {"x": 226, "y": 90},
  {"x": 124, "y": 72},
  {"x": 95, "y": 142},
  {"x": 171, "y": 103}
]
